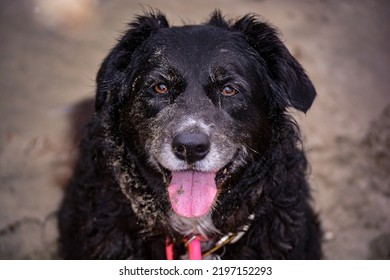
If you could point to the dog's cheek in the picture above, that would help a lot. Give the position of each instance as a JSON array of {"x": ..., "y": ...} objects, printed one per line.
[
  {"x": 230, "y": 133},
  {"x": 255, "y": 129},
  {"x": 132, "y": 124},
  {"x": 160, "y": 132}
]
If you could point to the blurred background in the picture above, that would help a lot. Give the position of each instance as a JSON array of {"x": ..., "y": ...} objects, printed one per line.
[{"x": 50, "y": 51}]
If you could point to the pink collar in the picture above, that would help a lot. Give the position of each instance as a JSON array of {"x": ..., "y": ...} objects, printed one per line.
[{"x": 192, "y": 245}]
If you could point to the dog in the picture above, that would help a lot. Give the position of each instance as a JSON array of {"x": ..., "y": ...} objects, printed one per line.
[{"x": 192, "y": 139}]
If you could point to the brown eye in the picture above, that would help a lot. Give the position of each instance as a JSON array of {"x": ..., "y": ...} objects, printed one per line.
[
  {"x": 161, "y": 88},
  {"x": 229, "y": 91}
]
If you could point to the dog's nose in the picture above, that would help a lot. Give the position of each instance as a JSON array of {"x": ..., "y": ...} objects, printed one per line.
[{"x": 190, "y": 146}]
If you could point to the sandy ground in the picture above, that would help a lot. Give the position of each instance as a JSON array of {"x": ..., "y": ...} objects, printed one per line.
[{"x": 49, "y": 54}]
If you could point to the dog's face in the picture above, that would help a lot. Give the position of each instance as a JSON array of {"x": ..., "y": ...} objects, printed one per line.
[
  {"x": 196, "y": 110},
  {"x": 197, "y": 102}
]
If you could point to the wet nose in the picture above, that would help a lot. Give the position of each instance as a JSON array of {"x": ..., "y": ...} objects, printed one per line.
[{"x": 190, "y": 146}]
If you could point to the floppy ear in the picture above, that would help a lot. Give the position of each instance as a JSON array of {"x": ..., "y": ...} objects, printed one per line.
[
  {"x": 112, "y": 72},
  {"x": 289, "y": 82}
]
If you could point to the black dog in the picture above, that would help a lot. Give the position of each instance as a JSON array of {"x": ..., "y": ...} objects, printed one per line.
[{"x": 191, "y": 137}]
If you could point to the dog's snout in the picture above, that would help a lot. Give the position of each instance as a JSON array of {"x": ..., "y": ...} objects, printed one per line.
[{"x": 190, "y": 146}]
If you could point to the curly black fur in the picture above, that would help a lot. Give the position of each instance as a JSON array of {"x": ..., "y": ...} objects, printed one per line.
[{"x": 116, "y": 205}]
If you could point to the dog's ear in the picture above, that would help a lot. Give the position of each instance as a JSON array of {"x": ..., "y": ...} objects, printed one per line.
[
  {"x": 112, "y": 72},
  {"x": 289, "y": 82}
]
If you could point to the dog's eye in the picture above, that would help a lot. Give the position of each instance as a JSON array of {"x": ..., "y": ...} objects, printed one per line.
[
  {"x": 161, "y": 88},
  {"x": 229, "y": 91}
]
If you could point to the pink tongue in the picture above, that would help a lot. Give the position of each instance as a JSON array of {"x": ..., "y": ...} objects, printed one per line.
[{"x": 192, "y": 193}]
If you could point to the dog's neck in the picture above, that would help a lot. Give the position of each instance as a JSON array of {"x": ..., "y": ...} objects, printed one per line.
[{"x": 200, "y": 247}]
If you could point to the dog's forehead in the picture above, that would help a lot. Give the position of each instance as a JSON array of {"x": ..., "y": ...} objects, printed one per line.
[
  {"x": 198, "y": 44},
  {"x": 199, "y": 53}
]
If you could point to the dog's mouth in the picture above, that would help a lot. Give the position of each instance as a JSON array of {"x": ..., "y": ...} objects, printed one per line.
[{"x": 192, "y": 193}]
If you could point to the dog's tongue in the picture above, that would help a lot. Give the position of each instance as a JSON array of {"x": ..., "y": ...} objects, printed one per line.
[{"x": 192, "y": 193}]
